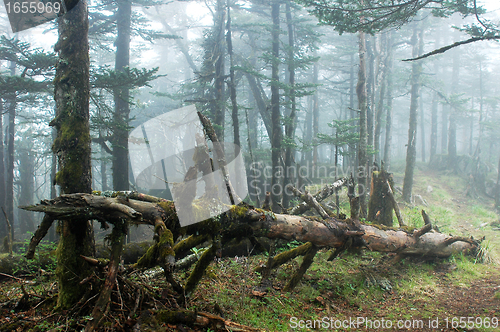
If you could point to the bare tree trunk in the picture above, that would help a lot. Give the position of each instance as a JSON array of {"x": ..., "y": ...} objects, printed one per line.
[
  {"x": 422, "y": 127},
  {"x": 411, "y": 152},
  {"x": 388, "y": 119},
  {"x": 10, "y": 138},
  {"x": 27, "y": 178},
  {"x": 452, "y": 134},
  {"x": 276, "y": 183},
  {"x": 3, "y": 224},
  {"x": 380, "y": 105},
  {"x": 232, "y": 82},
  {"x": 315, "y": 120},
  {"x": 220, "y": 99},
  {"x": 290, "y": 124},
  {"x": 121, "y": 98},
  {"x": 497, "y": 193},
  {"x": 363, "y": 138}
]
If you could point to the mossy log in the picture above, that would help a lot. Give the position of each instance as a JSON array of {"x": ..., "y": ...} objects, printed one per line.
[{"x": 332, "y": 233}]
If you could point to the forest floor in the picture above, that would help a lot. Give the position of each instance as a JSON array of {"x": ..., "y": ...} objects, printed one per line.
[{"x": 358, "y": 291}]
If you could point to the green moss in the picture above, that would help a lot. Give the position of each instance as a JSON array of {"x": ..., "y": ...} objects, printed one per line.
[
  {"x": 238, "y": 211},
  {"x": 73, "y": 139},
  {"x": 199, "y": 269},
  {"x": 176, "y": 316},
  {"x": 159, "y": 253},
  {"x": 71, "y": 268},
  {"x": 189, "y": 243}
]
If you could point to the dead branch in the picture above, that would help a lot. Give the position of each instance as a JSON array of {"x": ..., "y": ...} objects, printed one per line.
[
  {"x": 321, "y": 195},
  {"x": 395, "y": 204},
  {"x": 309, "y": 199}
]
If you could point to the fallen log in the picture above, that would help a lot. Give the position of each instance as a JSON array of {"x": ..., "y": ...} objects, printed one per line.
[{"x": 331, "y": 233}]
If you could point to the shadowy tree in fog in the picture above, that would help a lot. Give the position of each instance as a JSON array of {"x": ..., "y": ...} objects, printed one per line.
[
  {"x": 411, "y": 151},
  {"x": 29, "y": 73}
]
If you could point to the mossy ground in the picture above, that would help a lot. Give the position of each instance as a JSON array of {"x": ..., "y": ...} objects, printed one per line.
[{"x": 364, "y": 285}]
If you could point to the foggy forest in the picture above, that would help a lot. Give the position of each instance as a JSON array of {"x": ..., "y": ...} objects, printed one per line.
[{"x": 249, "y": 165}]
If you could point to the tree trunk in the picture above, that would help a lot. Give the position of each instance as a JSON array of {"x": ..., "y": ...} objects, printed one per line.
[
  {"x": 290, "y": 123},
  {"x": 411, "y": 152},
  {"x": 380, "y": 206},
  {"x": 10, "y": 138},
  {"x": 380, "y": 105},
  {"x": 262, "y": 102},
  {"x": 452, "y": 131},
  {"x": 434, "y": 125},
  {"x": 315, "y": 120},
  {"x": 388, "y": 119},
  {"x": 422, "y": 127},
  {"x": 497, "y": 192},
  {"x": 434, "y": 107},
  {"x": 121, "y": 98},
  {"x": 26, "y": 177},
  {"x": 275, "y": 110},
  {"x": 363, "y": 138},
  {"x": 3, "y": 224},
  {"x": 72, "y": 146},
  {"x": 232, "y": 82},
  {"x": 220, "y": 99}
]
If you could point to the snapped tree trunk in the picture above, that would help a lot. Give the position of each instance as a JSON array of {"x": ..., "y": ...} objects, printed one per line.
[{"x": 380, "y": 206}]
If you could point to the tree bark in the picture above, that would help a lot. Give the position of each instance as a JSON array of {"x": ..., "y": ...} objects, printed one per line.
[
  {"x": 27, "y": 178},
  {"x": 290, "y": 123},
  {"x": 72, "y": 146},
  {"x": 363, "y": 138},
  {"x": 380, "y": 105},
  {"x": 220, "y": 99},
  {"x": 121, "y": 98},
  {"x": 411, "y": 151},
  {"x": 276, "y": 183},
  {"x": 3, "y": 224},
  {"x": 232, "y": 82},
  {"x": 9, "y": 167},
  {"x": 388, "y": 119}
]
